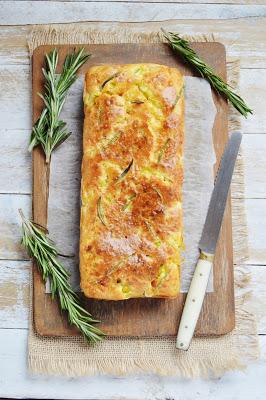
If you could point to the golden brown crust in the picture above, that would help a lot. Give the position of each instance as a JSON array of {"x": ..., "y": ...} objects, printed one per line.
[{"x": 132, "y": 174}]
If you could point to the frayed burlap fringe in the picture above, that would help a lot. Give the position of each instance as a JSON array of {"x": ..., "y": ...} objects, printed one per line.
[
  {"x": 81, "y": 34},
  {"x": 211, "y": 356}
]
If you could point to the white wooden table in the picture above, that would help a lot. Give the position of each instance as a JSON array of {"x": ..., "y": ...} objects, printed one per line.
[{"x": 242, "y": 21}]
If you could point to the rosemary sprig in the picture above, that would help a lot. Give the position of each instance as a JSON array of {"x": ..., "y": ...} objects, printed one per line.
[
  {"x": 182, "y": 46},
  {"x": 49, "y": 131},
  {"x": 43, "y": 251}
]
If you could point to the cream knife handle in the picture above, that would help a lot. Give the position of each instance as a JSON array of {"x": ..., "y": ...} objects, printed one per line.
[{"x": 194, "y": 301}]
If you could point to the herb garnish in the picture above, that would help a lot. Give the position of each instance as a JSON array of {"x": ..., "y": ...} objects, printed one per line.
[
  {"x": 42, "y": 249},
  {"x": 111, "y": 140},
  {"x": 162, "y": 151},
  {"x": 109, "y": 79},
  {"x": 158, "y": 192},
  {"x": 179, "y": 95},
  {"x": 182, "y": 46},
  {"x": 125, "y": 172},
  {"x": 100, "y": 211},
  {"x": 153, "y": 233},
  {"x": 132, "y": 197},
  {"x": 49, "y": 131}
]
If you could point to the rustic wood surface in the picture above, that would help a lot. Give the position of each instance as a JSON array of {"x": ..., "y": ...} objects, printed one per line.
[
  {"x": 244, "y": 36},
  {"x": 138, "y": 317}
]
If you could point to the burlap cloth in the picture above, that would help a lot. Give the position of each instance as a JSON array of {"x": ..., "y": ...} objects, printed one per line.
[{"x": 210, "y": 356}]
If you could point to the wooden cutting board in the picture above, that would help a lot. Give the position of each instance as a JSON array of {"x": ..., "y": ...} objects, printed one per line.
[{"x": 138, "y": 317}]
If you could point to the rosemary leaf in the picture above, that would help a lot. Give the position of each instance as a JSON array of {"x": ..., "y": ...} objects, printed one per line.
[
  {"x": 110, "y": 141},
  {"x": 100, "y": 211},
  {"x": 159, "y": 193},
  {"x": 49, "y": 131},
  {"x": 162, "y": 151},
  {"x": 182, "y": 47},
  {"x": 178, "y": 96},
  {"x": 130, "y": 199},
  {"x": 125, "y": 172},
  {"x": 109, "y": 79},
  {"x": 42, "y": 249},
  {"x": 153, "y": 233}
]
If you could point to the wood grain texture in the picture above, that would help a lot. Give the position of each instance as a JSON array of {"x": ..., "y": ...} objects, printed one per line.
[
  {"x": 139, "y": 316},
  {"x": 13, "y": 49},
  {"x": 245, "y": 38},
  {"x": 254, "y": 150},
  {"x": 17, "y": 383},
  {"x": 18, "y": 99},
  {"x": 14, "y": 294},
  {"x": 55, "y": 12},
  {"x": 256, "y": 218},
  {"x": 10, "y": 225},
  {"x": 253, "y": 86},
  {"x": 233, "y": 2},
  {"x": 15, "y": 166}
]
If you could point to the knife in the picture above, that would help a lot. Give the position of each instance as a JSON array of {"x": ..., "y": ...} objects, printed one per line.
[{"x": 207, "y": 244}]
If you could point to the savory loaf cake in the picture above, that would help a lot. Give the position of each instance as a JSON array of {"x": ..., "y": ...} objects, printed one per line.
[{"x": 132, "y": 173}]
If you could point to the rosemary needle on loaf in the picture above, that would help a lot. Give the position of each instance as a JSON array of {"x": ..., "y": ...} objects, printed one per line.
[
  {"x": 49, "y": 131},
  {"x": 182, "y": 46},
  {"x": 43, "y": 251}
]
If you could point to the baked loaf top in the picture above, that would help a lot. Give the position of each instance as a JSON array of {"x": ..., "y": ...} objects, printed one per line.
[{"x": 132, "y": 174}]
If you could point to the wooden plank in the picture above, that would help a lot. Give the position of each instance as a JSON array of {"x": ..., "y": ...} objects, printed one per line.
[
  {"x": 254, "y": 150},
  {"x": 58, "y": 12},
  {"x": 118, "y": 317},
  {"x": 257, "y": 303},
  {"x": 253, "y": 90},
  {"x": 15, "y": 162},
  {"x": 16, "y": 383},
  {"x": 233, "y": 2},
  {"x": 244, "y": 38},
  {"x": 15, "y": 110},
  {"x": 256, "y": 223},
  {"x": 10, "y": 225},
  {"x": 13, "y": 45},
  {"x": 14, "y": 294}
]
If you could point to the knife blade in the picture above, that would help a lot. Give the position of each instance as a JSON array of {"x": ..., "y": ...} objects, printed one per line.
[
  {"x": 218, "y": 200},
  {"x": 208, "y": 242}
]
